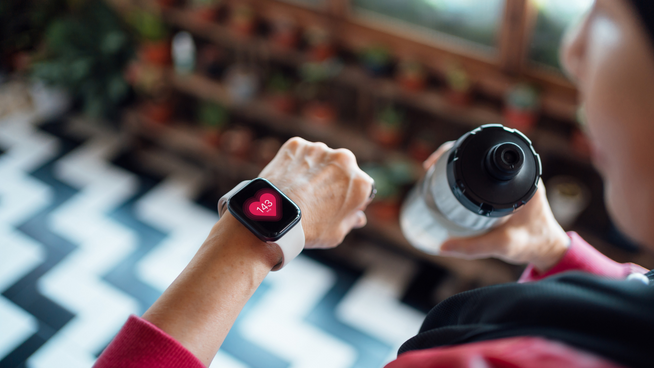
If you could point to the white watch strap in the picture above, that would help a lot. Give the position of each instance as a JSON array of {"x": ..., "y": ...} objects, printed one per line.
[{"x": 291, "y": 243}]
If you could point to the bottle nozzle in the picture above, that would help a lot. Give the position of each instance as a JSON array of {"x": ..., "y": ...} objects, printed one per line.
[{"x": 504, "y": 161}]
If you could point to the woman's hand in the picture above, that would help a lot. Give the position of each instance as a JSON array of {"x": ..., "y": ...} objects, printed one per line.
[
  {"x": 328, "y": 186},
  {"x": 531, "y": 235}
]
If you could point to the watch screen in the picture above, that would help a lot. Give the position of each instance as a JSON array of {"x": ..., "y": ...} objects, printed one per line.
[{"x": 264, "y": 209}]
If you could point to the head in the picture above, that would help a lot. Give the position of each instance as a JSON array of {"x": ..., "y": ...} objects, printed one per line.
[{"x": 610, "y": 57}]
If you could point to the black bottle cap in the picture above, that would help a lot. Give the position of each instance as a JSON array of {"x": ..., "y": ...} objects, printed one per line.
[{"x": 493, "y": 170}]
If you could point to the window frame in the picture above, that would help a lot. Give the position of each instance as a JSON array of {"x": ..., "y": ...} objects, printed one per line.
[{"x": 494, "y": 74}]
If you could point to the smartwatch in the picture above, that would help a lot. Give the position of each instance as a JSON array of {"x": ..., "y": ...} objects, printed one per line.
[{"x": 267, "y": 213}]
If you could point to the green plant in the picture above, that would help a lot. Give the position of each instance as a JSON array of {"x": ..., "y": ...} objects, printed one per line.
[
  {"x": 279, "y": 83},
  {"x": 390, "y": 117},
  {"x": 457, "y": 78},
  {"x": 212, "y": 115},
  {"x": 85, "y": 52},
  {"x": 376, "y": 56},
  {"x": 523, "y": 97},
  {"x": 204, "y": 3},
  {"x": 148, "y": 25}
]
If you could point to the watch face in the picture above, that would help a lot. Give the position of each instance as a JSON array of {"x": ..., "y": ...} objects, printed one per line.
[{"x": 265, "y": 210}]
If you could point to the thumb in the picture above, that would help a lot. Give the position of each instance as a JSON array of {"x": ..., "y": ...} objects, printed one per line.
[{"x": 357, "y": 220}]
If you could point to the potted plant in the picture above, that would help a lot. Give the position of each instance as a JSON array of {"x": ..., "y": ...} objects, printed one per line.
[
  {"x": 237, "y": 142},
  {"x": 390, "y": 179},
  {"x": 284, "y": 33},
  {"x": 521, "y": 107},
  {"x": 314, "y": 89},
  {"x": 242, "y": 83},
  {"x": 459, "y": 86},
  {"x": 155, "y": 94},
  {"x": 387, "y": 127},
  {"x": 320, "y": 46},
  {"x": 422, "y": 145},
  {"x": 243, "y": 20},
  {"x": 213, "y": 119},
  {"x": 205, "y": 10},
  {"x": 154, "y": 43},
  {"x": 376, "y": 60},
  {"x": 411, "y": 76},
  {"x": 211, "y": 61},
  {"x": 280, "y": 94},
  {"x": 265, "y": 150}
]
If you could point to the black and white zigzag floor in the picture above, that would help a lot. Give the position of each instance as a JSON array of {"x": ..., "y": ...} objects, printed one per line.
[{"x": 92, "y": 231}]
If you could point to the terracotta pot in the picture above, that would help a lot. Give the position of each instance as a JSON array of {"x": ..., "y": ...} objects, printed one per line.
[
  {"x": 156, "y": 52},
  {"x": 237, "y": 142},
  {"x": 523, "y": 120},
  {"x": 320, "y": 113},
  {"x": 211, "y": 136},
  {"x": 458, "y": 98},
  {"x": 206, "y": 13},
  {"x": 321, "y": 52},
  {"x": 158, "y": 112},
  {"x": 389, "y": 137},
  {"x": 243, "y": 28},
  {"x": 420, "y": 150},
  {"x": 285, "y": 38},
  {"x": 282, "y": 102},
  {"x": 413, "y": 83}
]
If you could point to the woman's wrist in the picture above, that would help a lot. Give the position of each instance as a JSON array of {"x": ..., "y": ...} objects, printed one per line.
[
  {"x": 553, "y": 251},
  {"x": 230, "y": 233}
]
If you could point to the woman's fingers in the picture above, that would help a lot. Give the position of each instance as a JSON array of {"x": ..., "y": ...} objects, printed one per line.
[{"x": 436, "y": 155}]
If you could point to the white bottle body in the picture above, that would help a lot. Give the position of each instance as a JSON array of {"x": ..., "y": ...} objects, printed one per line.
[{"x": 431, "y": 213}]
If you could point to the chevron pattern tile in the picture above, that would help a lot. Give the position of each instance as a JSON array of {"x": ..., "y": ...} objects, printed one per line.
[{"x": 93, "y": 230}]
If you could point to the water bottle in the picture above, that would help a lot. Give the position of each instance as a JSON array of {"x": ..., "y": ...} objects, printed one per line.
[{"x": 486, "y": 176}]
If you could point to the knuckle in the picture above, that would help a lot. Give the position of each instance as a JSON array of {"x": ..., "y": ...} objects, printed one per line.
[
  {"x": 362, "y": 186},
  {"x": 294, "y": 143},
  {"x": 344, "y": 155},
  {"x": 318, "y": 148}
]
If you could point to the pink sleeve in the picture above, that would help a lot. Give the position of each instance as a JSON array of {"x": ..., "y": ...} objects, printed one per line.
[
  {"x": 502, "y": 353},
  {"x": 581, "y": 256},
  {"x": 142, "y": 344}
]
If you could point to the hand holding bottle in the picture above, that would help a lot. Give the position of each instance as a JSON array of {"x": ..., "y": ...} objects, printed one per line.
[{"x": 531, "y": 235}]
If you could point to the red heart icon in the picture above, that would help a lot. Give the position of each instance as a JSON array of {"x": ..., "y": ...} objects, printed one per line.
[{"x": 263, "y": 206}]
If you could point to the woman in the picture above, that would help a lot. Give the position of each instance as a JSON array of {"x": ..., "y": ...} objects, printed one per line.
[{"x": 571, "y": 319}]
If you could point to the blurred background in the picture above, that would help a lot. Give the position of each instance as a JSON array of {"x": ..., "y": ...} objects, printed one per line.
[{"x": 123, "y": 122}]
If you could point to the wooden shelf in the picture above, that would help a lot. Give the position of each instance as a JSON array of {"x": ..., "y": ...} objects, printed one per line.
[
  {"x": 335, "y": 135},
  {"x": 187, "y": 142},
  {"x": 430, "y": 101}
]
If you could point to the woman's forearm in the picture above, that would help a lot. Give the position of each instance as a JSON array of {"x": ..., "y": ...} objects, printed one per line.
[{"x": 201, "y": 305}]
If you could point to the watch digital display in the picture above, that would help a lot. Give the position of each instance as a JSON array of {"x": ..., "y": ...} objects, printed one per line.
[{"x": 264, "y": 209}]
